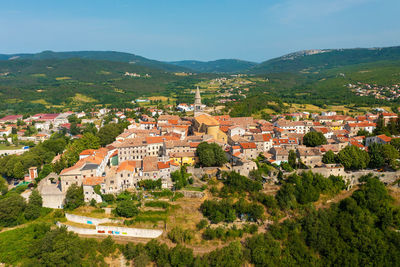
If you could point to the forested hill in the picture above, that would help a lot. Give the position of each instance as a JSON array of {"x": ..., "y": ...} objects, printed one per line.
[
  {"x": 310, "y": 61},
  {"x": 98, "y": 55},
  {"x": 33, "y": 84},
  {"x": 216, "y": 66}
]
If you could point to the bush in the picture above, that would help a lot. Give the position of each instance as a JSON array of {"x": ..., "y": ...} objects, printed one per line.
[
  {"x": 178, "y": 235},
  {"x": 126, "y": 208},
  {"x": 202, "y": 224},
  {"x": 74, "y": 197},
  {"x": 158, "y": 204},
  {"x": 109, "y": 198}
]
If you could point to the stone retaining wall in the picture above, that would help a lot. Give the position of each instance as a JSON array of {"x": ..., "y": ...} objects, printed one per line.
[{"x": 114, "y": 231}]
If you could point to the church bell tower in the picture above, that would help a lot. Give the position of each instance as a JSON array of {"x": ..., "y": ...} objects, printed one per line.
[{"x": 198, "y": 107}]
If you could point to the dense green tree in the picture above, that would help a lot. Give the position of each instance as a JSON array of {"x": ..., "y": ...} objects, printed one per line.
[
  {"x": 109, "y": 132},
  {"x": 292, "y": 159},
  {"x": 211, "y": 154},
  {"x": 149, "y": 184},
  {"x": 74, "y": 197},
  {"x": 180, "y": 178},
  {"x": 234, "y": 182},
  {"x": 395, "y": 142},
  {"x": 352, "y": 157},
  {"x": 18, "y": 171},
  {"x": 58, "y": 247},
  {"x": 380, "y": 127},
  {"x": 35, "y": 198},
  {"x": 126, "y": 208},
  {"x": 314, "y": 139},
  {"x": 11, "y": 210},
  {"x": 329, "y": 157},
  {"x": 46, "y": 170}
]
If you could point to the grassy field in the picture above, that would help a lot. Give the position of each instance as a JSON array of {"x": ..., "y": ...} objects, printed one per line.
[
  {"x": 83, "y": 98},
  {"x": 11, "y": 147}
]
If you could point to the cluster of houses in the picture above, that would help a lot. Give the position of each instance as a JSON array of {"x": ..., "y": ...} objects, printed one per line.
[
  {"x": 379, "y": 92},
  {"x": 156, "y": 145}
]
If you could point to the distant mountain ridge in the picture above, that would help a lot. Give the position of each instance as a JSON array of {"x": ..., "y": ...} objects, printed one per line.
[
  {"x": 216, "y": 66},
  {"x": 306, "y": 61},
  {"x": 319, "y": 59},
  {"x": 97, "y": 55}
]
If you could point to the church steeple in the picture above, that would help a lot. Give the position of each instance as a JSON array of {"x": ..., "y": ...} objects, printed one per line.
[
  {"x": 198, "y": 107},
  {"x": 197, "y": 97}
]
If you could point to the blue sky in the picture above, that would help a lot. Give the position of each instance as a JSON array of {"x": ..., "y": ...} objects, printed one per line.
[{"x": 203, "y": 29}]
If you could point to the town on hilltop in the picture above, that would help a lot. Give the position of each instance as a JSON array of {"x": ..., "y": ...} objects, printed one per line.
[{"x": 155, "y": 145}]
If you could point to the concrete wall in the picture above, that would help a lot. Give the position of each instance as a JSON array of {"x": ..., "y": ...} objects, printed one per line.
[
  {"x": 13, "y": 152},
  {"x": 114, "y": 231},
  {"x": 89, "y": 220}
]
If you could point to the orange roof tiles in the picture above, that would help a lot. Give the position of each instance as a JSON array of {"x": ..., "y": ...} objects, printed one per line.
[
  {"x": 129, "y": 165},
  {"x": 249, "y": 145},
  {"x": 92, "y": 181},
  {"x": 162, "y": 165},
  {"x": 384, "y": 138},
  {"x": 87, "y": 152}
]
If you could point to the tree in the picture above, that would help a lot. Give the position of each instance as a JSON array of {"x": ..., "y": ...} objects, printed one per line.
[
  {"x": 329, "y": 157},
  {"x": 395, "y": 142},
  {"x": 109, "y": 132},
  {"x": 46, "y": 170},
  {"x": 292, "y": 159},
  {"x": 74, "y": 197},
  {"x": 211, "y": 154},
  {"x": 35, "y": 198},
  {"x": 18, "y": 171},
  {"x": 180, "y": 178},
  {"x": 313, "y": 139},
  {"x": 363, "y": 132},
  {"x": 352, "y": 157},
  {"x": 380, "y": 127},
  {"x": 11, "y": 210},
  {"x": 126, "y": 208},
  {"x": 390, "y": 155},
  {"x": 375, "y": 154}
]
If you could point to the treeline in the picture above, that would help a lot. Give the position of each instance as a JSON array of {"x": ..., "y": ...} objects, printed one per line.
[
  {"x": 43, "y": 245},
  {"x": 357, "y": 231},
  {"x": 16, "y": 166},
  {"x": 378, "y": 156},
  {"x": 304, "y": 189},
  {"x": 14, "y": 210}
]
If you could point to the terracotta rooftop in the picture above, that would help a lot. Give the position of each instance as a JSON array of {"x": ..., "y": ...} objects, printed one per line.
[
  {"x": 92, "y": 181},
  {"x": 249, "y": 145}
]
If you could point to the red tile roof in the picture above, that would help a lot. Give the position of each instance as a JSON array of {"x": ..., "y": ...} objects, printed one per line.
[
  {"x": 249, "y": 145},
  {"x": 92, "y": 181},
  {"x": 384, "y": 138}
]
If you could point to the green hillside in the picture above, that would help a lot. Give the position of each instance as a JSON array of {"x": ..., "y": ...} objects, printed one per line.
[
  {"x": 328, "y": 87},
  {"x": 97, "y": 55},
  {"x": 35, "y": 84},
  {"x": 311, "y": 61},
  {"x": 216, "y": 66}
]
